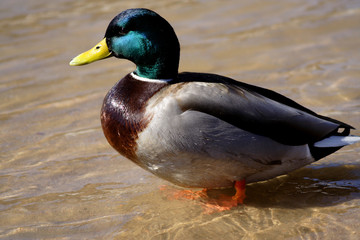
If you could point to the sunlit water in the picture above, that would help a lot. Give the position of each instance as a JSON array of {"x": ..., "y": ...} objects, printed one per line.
[{"x": 59, "y": 178}]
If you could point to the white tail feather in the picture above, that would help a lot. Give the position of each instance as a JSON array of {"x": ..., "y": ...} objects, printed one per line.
[{"x": 337, "y": 141}]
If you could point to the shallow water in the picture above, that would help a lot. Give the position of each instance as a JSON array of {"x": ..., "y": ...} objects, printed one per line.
[{"x": 59, "y": 179}]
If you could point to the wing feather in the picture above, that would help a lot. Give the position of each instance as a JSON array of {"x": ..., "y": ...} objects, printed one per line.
[{"x": 255, "y": 109}]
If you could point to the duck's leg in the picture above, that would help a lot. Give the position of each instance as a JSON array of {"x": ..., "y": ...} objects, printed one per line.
[
  {"x": 240, "y": 191},
  {"x": 231, "y": 201},
  {"x": 225, "y": 202}
]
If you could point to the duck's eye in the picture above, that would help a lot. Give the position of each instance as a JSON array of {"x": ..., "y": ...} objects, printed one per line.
[{"x": 123, "y": 31}]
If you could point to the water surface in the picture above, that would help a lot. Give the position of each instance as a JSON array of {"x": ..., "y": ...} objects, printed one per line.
[{"x": 59, "y": 179}]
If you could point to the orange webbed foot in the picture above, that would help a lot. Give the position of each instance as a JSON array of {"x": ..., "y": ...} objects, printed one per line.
[
  {"x": 185, "y": 194},
  {"x": 209, "y": 201}
]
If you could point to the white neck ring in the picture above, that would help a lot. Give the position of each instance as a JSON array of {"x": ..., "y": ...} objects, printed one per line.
[{"x": 149, "y": 79}]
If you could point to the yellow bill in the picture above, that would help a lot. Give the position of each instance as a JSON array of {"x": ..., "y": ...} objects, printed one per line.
[{"x": 100, "y": 51}]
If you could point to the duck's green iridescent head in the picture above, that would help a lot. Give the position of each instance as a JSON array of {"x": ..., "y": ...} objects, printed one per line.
[{"x": 143, "y": 37}]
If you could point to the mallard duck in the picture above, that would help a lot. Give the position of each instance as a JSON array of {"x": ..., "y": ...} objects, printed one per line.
[{"x": 201, "y": 130}]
